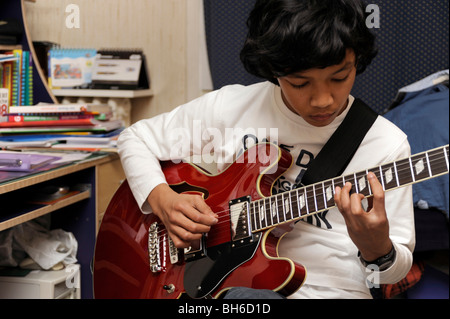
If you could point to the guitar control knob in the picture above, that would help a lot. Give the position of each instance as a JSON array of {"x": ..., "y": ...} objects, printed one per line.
[{"x": 169, "y": 288}]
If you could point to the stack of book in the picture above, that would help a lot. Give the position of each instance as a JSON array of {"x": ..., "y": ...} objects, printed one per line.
[
  {"x": 58, "y": 125},
  {"x": 16, "y": 75}
]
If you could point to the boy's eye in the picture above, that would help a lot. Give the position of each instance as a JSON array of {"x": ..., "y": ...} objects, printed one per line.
[
  {"x": 341, "y": 80},
  {"x": 299, "y": 86}
]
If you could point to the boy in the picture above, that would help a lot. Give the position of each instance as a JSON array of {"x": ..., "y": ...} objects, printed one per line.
[{"x": 309, "y": 52}]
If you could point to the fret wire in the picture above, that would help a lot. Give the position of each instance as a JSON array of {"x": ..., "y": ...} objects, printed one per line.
[
  {"x": 283, "y": 205},
  {"x": 298, "y": 204},
  {"x": 370, "y": 188},
  {"x": 258, "y": 220},
  {"x": 306, "y": 201},
  {"x": 333, "y": 190},
  {"x": 446, "y": 157},
  {"x": 356, "y": 183},
  {"x": 256, "y": 215},
  {"x": 277, "y": 209},
  {"x": 324, "y": 196},
  {"x": 255, "y": 226},
  {"x": 412, "y": 171},
  {"x": 262, "y": 215},
  {"x": 290, "y": 205},
  {"x": 268, "y": 212},
  {"x": 396, "y": 174},
  {"x": 428, "y": 164},
  {"x": 315, "y": 197},
  {"x": 381, "y": 177}
]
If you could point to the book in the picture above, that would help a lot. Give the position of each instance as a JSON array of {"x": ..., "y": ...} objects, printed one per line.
[
  {"x": 16, "y": 74},
  {"x": 4, "y": 106},
  {"x": 100, "y": 127},
  {"x": 68, "y": 122},
  {"x": 11, "y": 117},
  {"x": 70, "y": 67},
  {"x": 60, "y": 108},
  {"x": 7, "y": 57},
  {"x": 7, "y": 79},
  {"x": 16, "y": 77}
]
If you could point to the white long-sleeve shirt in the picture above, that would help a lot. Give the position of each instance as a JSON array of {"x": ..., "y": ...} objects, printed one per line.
[{"x": 232, "y": 119}]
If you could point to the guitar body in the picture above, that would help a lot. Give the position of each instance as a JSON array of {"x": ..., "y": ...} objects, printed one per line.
[{"x": 122, "y": 263}]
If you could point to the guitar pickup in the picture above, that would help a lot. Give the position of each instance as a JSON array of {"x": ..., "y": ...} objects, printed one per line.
[
  {"x": 240, "y": 218},
  {"x": 196, "y": 250}
]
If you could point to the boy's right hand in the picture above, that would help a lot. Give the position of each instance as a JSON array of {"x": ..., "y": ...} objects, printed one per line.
[{"x": 186, "y": 217}]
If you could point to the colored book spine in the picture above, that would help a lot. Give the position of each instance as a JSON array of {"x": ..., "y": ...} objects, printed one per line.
[{"x": 16, "y": 78}]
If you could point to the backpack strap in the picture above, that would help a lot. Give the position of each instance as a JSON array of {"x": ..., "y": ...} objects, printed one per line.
[{"x": 340, "y": 148}]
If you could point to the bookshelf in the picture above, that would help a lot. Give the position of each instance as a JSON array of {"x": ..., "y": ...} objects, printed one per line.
[
  {"x": 41, "y": 91},
  {"x": 127, "y": 94},
  {"x": 80, "y": 213}
]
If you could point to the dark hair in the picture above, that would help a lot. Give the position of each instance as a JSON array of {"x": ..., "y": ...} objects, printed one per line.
[{"x": 288, "y": 36}]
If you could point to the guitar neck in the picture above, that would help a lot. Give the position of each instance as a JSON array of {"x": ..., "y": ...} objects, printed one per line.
[{"x": 312, "y": 199}]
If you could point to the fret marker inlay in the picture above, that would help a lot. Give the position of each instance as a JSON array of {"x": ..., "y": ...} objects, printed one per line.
[
  {"x": 329, "y": 192},
  {"x": 302, "y": 201},
  {"x": 389, "y": 176},
  {"x": 419, "y": 167},
  {"x": 362, "y": 183}
]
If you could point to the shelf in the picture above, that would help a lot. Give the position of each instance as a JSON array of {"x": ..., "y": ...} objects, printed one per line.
[
  {"x": 24, "y": 217},
  {"x": 103, "y": 93},
  {"x": 54, "y": 173}
]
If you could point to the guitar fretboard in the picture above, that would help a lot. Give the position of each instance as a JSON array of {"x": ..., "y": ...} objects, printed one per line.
[{"x": 312, "y": 199}]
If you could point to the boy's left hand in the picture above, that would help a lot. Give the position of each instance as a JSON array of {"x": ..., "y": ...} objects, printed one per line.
[{"x": 369, "y": 230}]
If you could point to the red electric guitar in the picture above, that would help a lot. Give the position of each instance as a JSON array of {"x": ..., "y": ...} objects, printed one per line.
[{"x": 135, "y": 258}]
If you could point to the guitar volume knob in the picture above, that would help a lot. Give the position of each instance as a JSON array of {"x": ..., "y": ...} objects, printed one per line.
[{"x": 169, "y": 288}]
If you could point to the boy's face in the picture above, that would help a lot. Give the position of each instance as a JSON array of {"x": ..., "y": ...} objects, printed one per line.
[{"x": 320, "y": 95}]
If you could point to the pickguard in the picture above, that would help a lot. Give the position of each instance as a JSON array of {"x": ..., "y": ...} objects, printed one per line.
[{"x": 202, "y": 276}]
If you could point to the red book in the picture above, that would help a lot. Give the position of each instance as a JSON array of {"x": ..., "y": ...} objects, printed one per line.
[{"x": 74, "y": 122}]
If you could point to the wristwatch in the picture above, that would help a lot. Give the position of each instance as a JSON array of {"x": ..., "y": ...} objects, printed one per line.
[{"x": 383, "y": 263}]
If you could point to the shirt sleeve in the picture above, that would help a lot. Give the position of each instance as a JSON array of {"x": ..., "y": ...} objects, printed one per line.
[{"x": 170, "y": 136}]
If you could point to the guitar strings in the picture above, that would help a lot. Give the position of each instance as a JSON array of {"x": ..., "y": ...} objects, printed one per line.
[{"x": 404, "y": 172}]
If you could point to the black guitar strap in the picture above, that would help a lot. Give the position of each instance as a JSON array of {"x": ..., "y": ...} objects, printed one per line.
[{"x": 340, "y": 148}]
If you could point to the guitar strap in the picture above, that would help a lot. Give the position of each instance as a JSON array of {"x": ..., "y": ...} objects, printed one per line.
[{"x": 340, "y": 148}]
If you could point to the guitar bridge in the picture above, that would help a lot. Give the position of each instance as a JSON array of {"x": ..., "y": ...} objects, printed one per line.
[
  {"x": 158, "y": 243},
  {"x": 154, "y": 254}
]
